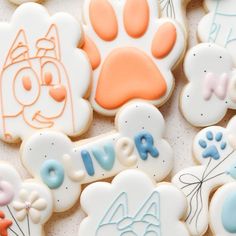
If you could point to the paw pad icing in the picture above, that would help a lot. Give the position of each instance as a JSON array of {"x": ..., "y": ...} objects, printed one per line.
[
  {"x": 136, "y": 143},
  {"x": 25, "y": 206},
  {"x": 213, "y": 149},
  {"x": 121, "y": 209},
  {"x": 218, "y": 25},
  {"x": 131, "y": 52},
  {"x": 40, "y": 87},
  {"x": 211, "y": 85}
]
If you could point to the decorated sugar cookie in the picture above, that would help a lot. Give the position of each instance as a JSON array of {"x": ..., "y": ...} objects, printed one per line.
[
  {"x": 133, "y": 205},
  {"x": 210, "y": 91},
  {"x": 43, "y": 75},
  {"x": 215, "y": 149},
  {"x": 18, "y": 2},
  {"x": 175, "y": 9},
  {"x": 223, "y": 211},
  {"x": 137, "y": 143},
  {"x": 219, "y": 24},
  {"x": 25, "y": 206},
  {"x": 131, "y": 51}
]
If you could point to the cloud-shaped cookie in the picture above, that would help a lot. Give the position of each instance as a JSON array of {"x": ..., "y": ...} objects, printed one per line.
[
  {"x": 25, "y": 206},
  {"x": 210, "y": 91},
  {"x": 64, "y": 166},
  {"x": 133, "y": 205},
  {"x": 43, "y": 75},
  {"x": 219, "y": 24}
]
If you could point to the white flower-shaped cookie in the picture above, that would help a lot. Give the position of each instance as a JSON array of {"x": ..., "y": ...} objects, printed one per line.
[
  {"x": 25, "y": 206},
  {"x": 215, "y": 149},
  {"x": 219, "y": 24},
  {"x": 64, "y": 166},
  {"x": 133, "y": 205},
  {"x": 131, "y": 51},
  {"x": 43, "y": 75},
  {"x": 210, "y": 91}
]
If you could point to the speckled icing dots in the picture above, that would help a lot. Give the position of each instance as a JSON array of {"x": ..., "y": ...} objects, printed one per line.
[
  {"x": 136, "y": 143},
  {"x": 223, "y": 211},
  {"x": 211, "y": 85},
  {"x": 215, "y": 149},
  {"x": 131, "y": 51},
  {"x": 120, "y": 208},
  {"x": 25, "y": 206},
  {"x": 44, "y": 76},
  {"x": 219, "y": 24}
]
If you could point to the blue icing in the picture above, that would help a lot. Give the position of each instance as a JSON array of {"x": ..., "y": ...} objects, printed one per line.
[
  {"x": 88, "y": 163},
  {"x": 209, "y": 135},
  {"x": 52, "y": 174},
  {"x": 212, "y": 150},
  {"x": 145, "y": 145},
  {"x": 232, "y": 171},
  {"x": 228, "y": 214},
  {"x": 106, "y": 157}
]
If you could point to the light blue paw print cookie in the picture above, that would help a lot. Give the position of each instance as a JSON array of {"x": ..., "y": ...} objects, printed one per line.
[{"x": 212, "y": 144}]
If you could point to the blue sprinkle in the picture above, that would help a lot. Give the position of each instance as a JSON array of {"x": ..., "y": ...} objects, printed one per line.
[
  {"x": 202, "y": 143},
  {"x": 219, "y": 136},
  {"x": 209, "y": 135}
]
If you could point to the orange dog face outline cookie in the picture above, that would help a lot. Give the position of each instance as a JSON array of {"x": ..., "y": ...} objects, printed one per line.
[
  {"x": 132, "y": 52},
  {"x": 43, "y": 75}
]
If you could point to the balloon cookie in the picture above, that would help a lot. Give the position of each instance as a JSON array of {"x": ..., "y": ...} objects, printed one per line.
[
  {"x": 223, "y": 211},
  {"x": 131, "y": 51},
  {"x": 175, "y": 9},
  {"x": 219, "y": 24},
  {"x": 43, "y": 75},
  {"x": 120, "y": 208},
  {"x": 215, "y": 149},
  {"x": 25, "y": 206},
  {"x": 211, "y": 85},
  {"x": 136, "y": 143}
]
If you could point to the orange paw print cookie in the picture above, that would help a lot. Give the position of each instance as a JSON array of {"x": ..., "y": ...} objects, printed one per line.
[
  {"x": 131, "y": 52},
  {"x": 44, "y": 77}
]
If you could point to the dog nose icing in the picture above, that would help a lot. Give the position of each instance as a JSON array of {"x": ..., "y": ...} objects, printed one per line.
[{"x": 58, "y": 93}]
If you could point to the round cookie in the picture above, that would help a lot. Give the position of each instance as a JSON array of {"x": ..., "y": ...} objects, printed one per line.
[
  {"x": 120, "y": 208},
  {"x": 132, "y": 52},
  {"x": 223, "y": 211},
  {"x": 44, "y": 76},
  {"x": 136, "y": 143}
]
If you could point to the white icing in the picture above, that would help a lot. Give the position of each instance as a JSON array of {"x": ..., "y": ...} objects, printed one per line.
[
  {"x": 219, "y": 24},
  {"x": 155, "y": 210},
  {"x": 38, "y": 42},
  {"x": 215, "y": 169},
  {"x": 200, "y": 61},
  {"x": 216, "y": 208},
  {"x": 142, "y": 43},
  {"x": 175, "y": 9},
  {"x": 132, "y": 119},
  {"x": 29, "y": 193}
]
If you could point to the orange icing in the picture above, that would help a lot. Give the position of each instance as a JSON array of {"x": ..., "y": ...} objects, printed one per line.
[
  {"x": 128, "y": 73},
  {"x": 164, "y": 40},
  {"x": 91, "y": 49},
  {"x": 136, "y": 17},
  {"x": 103, "y": 19},
  {"x": 48, "y": 78},
  {"x": 4, "y": 224},
  {"x": 58, "y": 93},
  {"x": 26, "y": 83}
]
